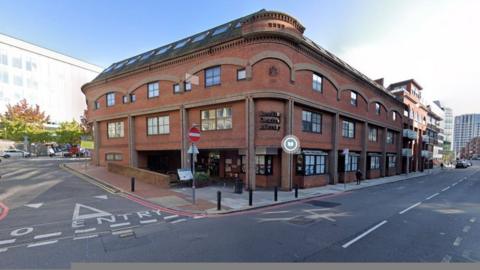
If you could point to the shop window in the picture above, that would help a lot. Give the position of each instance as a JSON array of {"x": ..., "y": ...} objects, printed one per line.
[
  {"x": 374, "y": 162},
  {"x": 351, "y": 163},
  {"x": 311, "y": 164},
  {"x": 392, "y": 161},
  {"x": 263, "y": 165}
]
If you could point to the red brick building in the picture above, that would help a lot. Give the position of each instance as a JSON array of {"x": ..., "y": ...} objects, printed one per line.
[{"x": 246, "y": 84}]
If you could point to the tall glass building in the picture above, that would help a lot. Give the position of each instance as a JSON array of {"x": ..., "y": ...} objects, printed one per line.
[
  {"x": 44, "y": 77},
  {"x": 467, "y": 126}
]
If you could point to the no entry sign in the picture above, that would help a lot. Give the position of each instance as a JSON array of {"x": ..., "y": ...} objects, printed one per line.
[{"x": 194, "y": 134}]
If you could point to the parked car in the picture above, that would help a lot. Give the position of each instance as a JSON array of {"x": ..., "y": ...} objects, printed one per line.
[
  {"x": 461, "y": 164},
  {"x": 15, "y": 153}
]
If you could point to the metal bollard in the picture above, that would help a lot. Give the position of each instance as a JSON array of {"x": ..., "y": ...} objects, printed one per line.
[
  {"x": 219, "y": 200},
  {"x": 296, "y": 191},
  {"x": 250, "y": 197},
  {"x": 275, "y": 194},
  {"x": 132, "y": 184}
]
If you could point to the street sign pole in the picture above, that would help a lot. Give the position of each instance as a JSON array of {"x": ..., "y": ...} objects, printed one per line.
[
  {"x": 345, "y": 180},
  {"x": 193, "y": 173},
  {"x": 194, "y": 135}
]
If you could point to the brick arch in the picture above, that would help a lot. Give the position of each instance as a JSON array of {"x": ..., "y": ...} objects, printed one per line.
[
  {"x": 353, "y": 88},
  {"x": 216, "y": 62},
  {"x": 395, "y": 110},
  {"x": 163, "y": 77},
  {"x": 316, "y": 69},
  {"x": 376, "y": 100},
  {"x": 103, "y": 92},
  {"x": 270, "y": 55}
]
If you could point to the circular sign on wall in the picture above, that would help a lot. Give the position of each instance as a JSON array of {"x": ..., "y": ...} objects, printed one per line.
[
  {"x": 194, "y": 134},
  {"x": 291, "y": 144}
]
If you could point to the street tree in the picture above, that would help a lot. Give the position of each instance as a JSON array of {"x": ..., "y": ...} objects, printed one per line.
[{"x": 69, "y": 132}]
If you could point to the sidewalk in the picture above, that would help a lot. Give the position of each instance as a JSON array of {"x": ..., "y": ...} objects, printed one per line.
[{"x": 180, "y": 198}]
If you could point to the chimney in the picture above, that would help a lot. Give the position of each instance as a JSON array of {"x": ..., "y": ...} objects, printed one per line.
[{"x": 379, "y": 81}]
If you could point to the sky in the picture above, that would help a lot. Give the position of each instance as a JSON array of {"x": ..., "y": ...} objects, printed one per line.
[{"x": 436, "y": 42}]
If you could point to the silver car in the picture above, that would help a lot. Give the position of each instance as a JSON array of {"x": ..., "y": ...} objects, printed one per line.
[{"x": 15, "y": 153}]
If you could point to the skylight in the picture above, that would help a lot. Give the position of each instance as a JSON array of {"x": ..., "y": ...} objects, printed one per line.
[
  {"x": 131, "y": 61},
  {"x": 200, "y": 37},
  {"x": 120, "y": 65},
  {"x": 147, "y": 55},
  {"x": 220, "y": 30},
  {"x": 108, "y": 69},
  {"x": 238, "y": 25},
  {"x": 181, "y": 44},
  {"x": 162, "y": 50}
]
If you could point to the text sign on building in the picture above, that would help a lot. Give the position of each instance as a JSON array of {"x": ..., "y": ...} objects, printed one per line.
[
  {"x": 87, "y": 145},
  {"x": 194, "y": 134},
  {"x": 270, "y": 120}
]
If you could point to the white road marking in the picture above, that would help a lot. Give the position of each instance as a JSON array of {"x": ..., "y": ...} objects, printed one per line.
[
  {"x": 472, "y": 220},
  {"x": 9, "y": 241},
  {"x": 120, "y": 224},
  {"x": 97, "y": 212},
  {"x": 454, "y": 184},
  {"x": 198, "y": 217},
  {"x": 434, "y": 195},
  {"x": 122, "y": 232},
  {"x": 275, "y": 212},
  {"x": 170, "y": 217},
  {"x": 447, "y": 258},
  {"x": 85, "y": 237},
  {"x": 413, "y": 206},
  {"x": 466, "y": 229},
  {"x": 85, "y": 230},
  {"x": 178, "y": 220},
  {"x": 445, "y": 189},
  {"x": 364, "y": 234},
  {"x": 3, "y": 249},
  {"x": 102, "y": 197},
  {"x": 42, "y": 243},
  {"x": 457, "y": 241},
  {"x": 41, "y": 236},
  {"x": 148, "y": 221},
  {"x": 34, "y": 205}
]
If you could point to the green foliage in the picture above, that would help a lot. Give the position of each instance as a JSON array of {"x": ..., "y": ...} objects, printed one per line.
[
  {"x": 201, "y": 177},
  {"x": 69, "y": 132}
]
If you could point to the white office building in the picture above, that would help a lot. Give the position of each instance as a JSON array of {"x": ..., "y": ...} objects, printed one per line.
[{"x": 44, "y": 77}]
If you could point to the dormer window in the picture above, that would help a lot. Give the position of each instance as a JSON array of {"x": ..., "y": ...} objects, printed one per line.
[
  {"x": 377, "y": 108},
  {"x": 353, "y": 99}
]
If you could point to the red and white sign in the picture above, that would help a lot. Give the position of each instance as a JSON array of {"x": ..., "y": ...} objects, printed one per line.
[{"x": 194, "y": 134}]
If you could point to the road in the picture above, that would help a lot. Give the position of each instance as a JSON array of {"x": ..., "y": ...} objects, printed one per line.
[{"x": 56, "y": 218}]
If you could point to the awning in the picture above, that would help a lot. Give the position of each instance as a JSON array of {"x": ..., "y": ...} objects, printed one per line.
[
  {"x": 260, "y": 151},
  {"x": 314, "y": 152}
]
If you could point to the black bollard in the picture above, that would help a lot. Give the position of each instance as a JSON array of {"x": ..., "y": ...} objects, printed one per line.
[
  {"x": 275, "y": 193},
  {"x": 296, "y": 191},
  {"x": 250, "y": 197},
  {"x": 219, "y": 200},
  {"x": 133, "y": 184}
]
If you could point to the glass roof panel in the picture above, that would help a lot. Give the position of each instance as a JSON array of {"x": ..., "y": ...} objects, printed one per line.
[
  {"x": 147, "y": 55},
  {"x": 200, "y": 37},
  {"x": 120, "y": 65},
  {"x": 131, "y": 61},
  {"x": 181, "y": 43},
  {"x": 108, "y": 69},
  {"x": 162, "y": 50},
  {"x": 238, "y": 25},
  {"x": 220, "y": 30}
]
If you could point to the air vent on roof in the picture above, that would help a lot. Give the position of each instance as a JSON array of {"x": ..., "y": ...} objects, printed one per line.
[{"x": 220, "y": 30}]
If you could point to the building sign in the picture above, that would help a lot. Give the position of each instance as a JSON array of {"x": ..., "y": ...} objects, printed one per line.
[{"x": 270, "y": 120}]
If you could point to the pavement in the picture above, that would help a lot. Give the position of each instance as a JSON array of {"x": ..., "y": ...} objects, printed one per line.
[
  {"x": 180, "y": 198},
  {"x": 57, "y": 218}
]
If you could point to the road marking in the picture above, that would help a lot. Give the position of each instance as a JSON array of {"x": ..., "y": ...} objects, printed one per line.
[
  {"x": 447, "y": 258},
  {"x": 3, "y": 249},
  {"x": 122, "y": 232},
  {"x": 275, "y": 212},
  {"x": 102, "y": 197},
  {"x": 85, "y": 237},
  {"x": 434, "y": 195},
  {"x": 42, "y": 243},
  {"x": 445, "y": 189},
  {"x": 119, "y": 224},
  {"x": 41, "y": 236},
  {"x": 170, "y": 217},
  {"x": 413, "y": 206},
  {"x": 9, "y": 241},
  {"x": 472, "y": 220},
  {"x": 198, "y": 217},
  {"x": 97, "y": 212},
  {"x": 457, "y": 241},
  {"x": 454, "y": 184},
  {"x": 148, "y": 221},
  {"x": 466, "y": 229},
  {"x": 85, "y": 230},
  {"x": 364, "y": 234},
  {"x": 34, "y": 205},
  {"x": 177, "y": 221}
]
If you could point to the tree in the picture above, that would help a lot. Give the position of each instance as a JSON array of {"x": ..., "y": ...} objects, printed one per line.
[
  {"x": 22, "y": 120},
  {"x": 86, "y": 126},
  {"x": 69, "y": 132}
]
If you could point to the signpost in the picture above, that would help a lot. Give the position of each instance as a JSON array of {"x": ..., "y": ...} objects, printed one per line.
[
  {"x": 194, "y": 136},
  {"x": 86, "y": 142},
  {"x": 345, "y": 153}
]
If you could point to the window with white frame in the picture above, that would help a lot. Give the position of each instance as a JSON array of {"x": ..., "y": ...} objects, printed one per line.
[
  {"x": 372, "y": 134},
  {"x": 317, "y": 82},
  {"x": 351, "y": 163},
  {"x": 311, "y": 122},
  {"x": 115, "y": 130},
  {"x": 315, "y": 164},
  {"x": 241, "y": 74},
  {"x": 110, "y": 99},
  {"x": 153, "y": 90},
  {"x": 212, "y": 76},
  {"x": 263, "y": 165},
  {"x": 216, "y": 119},
  {"x": 113, "y": 157},
  {"x": 374, "y": 162},
  {"x": 17, "y": 62},
  {"x": 378, "y": 108},
  {"x": 158, "y": 125},
  {"x": 390, "y": 137},
  {"x": 353, "y": 99},
  {"x": 176, "y": 88},
  {"x": 187, "y": 86},
  {"x": 125, "y": 99},
  {"x": 348, "y": 129},
  {"x": 392, "y": 161}
]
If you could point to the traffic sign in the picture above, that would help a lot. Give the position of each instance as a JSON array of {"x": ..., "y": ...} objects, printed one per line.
[
  {"x": 194, "y": 134},
  {"x": 291, "y": 144},
  {"x": 193, "y": 149}
]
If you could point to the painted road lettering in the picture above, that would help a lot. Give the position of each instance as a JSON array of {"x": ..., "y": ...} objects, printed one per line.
[{"x": 21, "y": 231}]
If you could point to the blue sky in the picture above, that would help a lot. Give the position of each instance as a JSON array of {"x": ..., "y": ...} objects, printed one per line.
[{"x": 392, "y": 39}]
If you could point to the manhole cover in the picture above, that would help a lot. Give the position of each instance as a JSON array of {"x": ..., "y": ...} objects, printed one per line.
[
  {"x": 301, "y": 221},
  {"x": 322, "y": 204}
]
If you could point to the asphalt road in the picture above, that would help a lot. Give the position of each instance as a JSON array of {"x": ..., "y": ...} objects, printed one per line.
[{"x": 432, "y": 218}]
